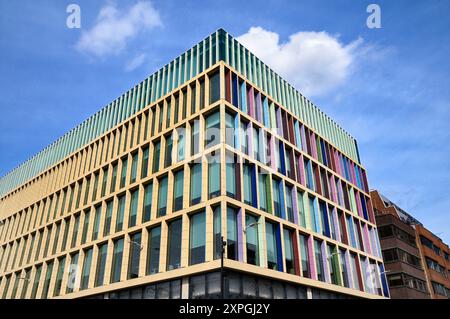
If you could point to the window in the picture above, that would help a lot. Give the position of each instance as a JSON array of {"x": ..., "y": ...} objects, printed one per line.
[
  {"x": 162, "y": 196},
  {"x": 85, "y": 227},
  {"x": 148, "y": 193},
  {"x": 156, "y": 155},
  {"x": 332, "y": 222},
  {"x": 104, "y": 182},
  {"x": 249, "y": 184},
  {"x": 202, "y": 90},
  {"x": 214, "y": 179},
  {"x": 325, "y": 224},
  {"x": 231, "y": 172},
  {"x": 154, "y": 240},
  {"x": 184, "y": 106},
  {"x": 74, "y": 235},
  {"x": 48, "y": 276},
  {"x": 195, "y": 138},
  {"x": 144, "y": 166},
  {"x": 230, "y": 129},
  {"x": 181, "y": 133},
  {"x": 214, "y": 87},
  {"x": 289, "y": 250},
  {"x": 117, "y": 261},
  {"x": 301, "y": 209},
  {"x": 178, "y": 188},
  {"x": 277, "y": 197},
  {"x": 101, "y": 263},
  {"x": 134, "y": 162},
  {"x": 133, "y": 208},
  {"x": 232, "y": 239},
  {"x": 174, "y": 244},
  {"x": 108, "y": 217},
  {"x": 123, "y": 175},
  {"x": 272, "y": 240},
  {"x": 114, "y": 178},
  {"x": 97, "y": 217},
  {"x": 304, "y": 256},
  {"x": 217, "y": 230},
  {"x": 344, "y": 270},
  {"x": 135, "y": 254},
  {"x": 319, "y": 260},
  {"x": 212, "y": 133},
  {"x": 244, "y": 138},
  {"x": 434, "y": 265},
  {"x": 55, "y": 242},
  {"x": 86, "y": 269},
  {"x": 351, "y": 231},
  {"x": 197, "y": 242},
  {"x": 333, "y": 263},
  {"x": 36, "y": 282},
  {"x": 439, "y": 288},
  {"x": 73, "y": 272},
  {"x": 251, "y": 231},
  {"x": 59, "y": 277},
  {"x": 64, "y": 240},
  {"x": 168, "y": 153},
  {"x": 120, "y": 213},
  {"x": 196, "y": 187},
  {"x": 264, "y": 190},
  {"x": 255, "y": 145},
  {"x": 355, "y": 271},
  {"x": 395, "y": 280},
  {"x": 289, "y": 204}
]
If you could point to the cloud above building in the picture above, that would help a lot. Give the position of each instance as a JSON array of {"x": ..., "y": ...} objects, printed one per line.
[
  {"x": 115, "y": 28},
  {"x": 314, "y": 62}
]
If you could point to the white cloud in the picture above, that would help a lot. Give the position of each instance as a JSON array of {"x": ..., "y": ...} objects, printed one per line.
[
  {"x": 135, "y": 62},
  {"x": 314, "y": 62},
  {"x": 114, "y": 28}
]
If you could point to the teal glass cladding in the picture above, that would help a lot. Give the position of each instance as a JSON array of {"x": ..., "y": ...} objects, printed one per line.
[{"x": 219, "y": 46}]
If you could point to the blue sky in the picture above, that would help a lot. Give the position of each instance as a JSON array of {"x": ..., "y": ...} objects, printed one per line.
[{"x": 388, "y": 87}]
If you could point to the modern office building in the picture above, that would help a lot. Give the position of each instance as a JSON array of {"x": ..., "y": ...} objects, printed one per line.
[
  {"x": 134, "y": 202},
  {"x": 404, "y": 266}
]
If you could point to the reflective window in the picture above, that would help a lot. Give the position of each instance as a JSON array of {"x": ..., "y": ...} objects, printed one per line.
[
  {"x": 289, "y": 251},
  {"x": 251, "y": 232},
  {"x": 319, "y": 260},
  {"x": 120, "y": 213},
  {"x": 86, "y": 269},
  {"x": 135, "y": 254},
  {"x": 154, "y": 240},
  {"x": 162, "y": 197},
  {"x": 101, "y": 263},
  {"x": 197, "y": 238},
  {"x": 232, "y": 240},
  {"x": 156, "y": 155},
  {"x": 178, "y": 187},
  {"x": 168, "y": 153},
  {"x": 117, "y": 261},
  {"x": 272, "y": 238},
  {"x": 133, "y": 208},
  {"x": 212, "y": 132},
  {"x": 174, "y": 244},
  {"x": 196, "y": 185},
  {"x": 134, "y": 162},
  {"x": 148, "y": 193},
  {"x": 214, "y": 179}
]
